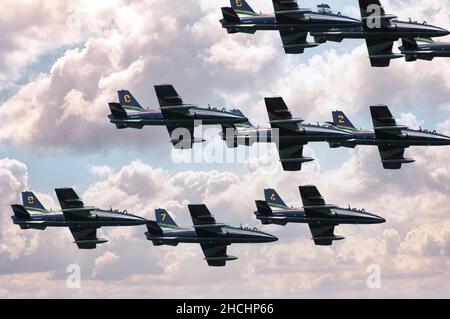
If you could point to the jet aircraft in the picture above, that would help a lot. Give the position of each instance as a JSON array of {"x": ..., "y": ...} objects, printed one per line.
[
  {"x": 212, "y": 237},
  {"x": 179, "y": 118},
  {"x": 292, "y": 134},
  {"x": 380, "y": 30},
  {"x": 321, "y": 217},
  {"x": 83, "y": 221},
  {"x": 245, "y": 134},
  {"x": 289, "y": 19},
  {"x": 429, "y": 50},
  {"x": 391, "y": 138}
]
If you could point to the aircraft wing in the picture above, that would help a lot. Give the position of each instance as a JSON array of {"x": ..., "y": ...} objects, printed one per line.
[
  {"x": 291, "y": 155},
  {"x": 289, "y": 147},
  {"x": 384, "y": 123},
  {"x": 181, "y": 126},
  {"x": 322, "y": 234},
  {"x": 216, "y": 255},
  {"x": 316, "y": 208},
  {"x": 170, "y": 103},
  {"x": 68, "y": 199},
  {"x": 294, "y": 42},
  {"x": 392, "y": 156},
  {"x": 380, "y": 52},
  {"x": 181, "y": 136},
  {"x": 288, "y": 11},
  {"x": 204, "y": 222},
  {"x": 86, "y": 237},
  {"x": 72, "y": 206},
  {"x": 386, "y": 128}
]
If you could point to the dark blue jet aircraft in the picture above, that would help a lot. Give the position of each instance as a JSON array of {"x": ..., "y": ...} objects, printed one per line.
[
  {"x": 392, "y": 139},
  {"x": 429, "y": 50},
  {"x": 82, "y": 221},
  {"x": 289, "y": 19},
  {"x": 321, "y": 217},
  {"x": 291, "y": 134},
  {"x": 380, "y": 30},
  {"x": 179, "y": 118},
  {"x": 212, "y": 237}
]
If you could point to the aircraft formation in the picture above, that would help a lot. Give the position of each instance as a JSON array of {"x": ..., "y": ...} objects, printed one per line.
[
  {"x": 290, "y": 134},
  {"x": 378, "y": 29},
  {"x": 213, "y": 237}
]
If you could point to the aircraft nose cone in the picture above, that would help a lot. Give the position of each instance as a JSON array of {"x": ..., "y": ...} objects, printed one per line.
[
  {"x": 378, "y": 219},
  {"x": 441, "y": 31},
  {"x": 269, "y": 238}
]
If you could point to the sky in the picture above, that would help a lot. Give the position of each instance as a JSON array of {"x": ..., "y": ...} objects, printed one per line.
[{"x": 61, "y": 62}]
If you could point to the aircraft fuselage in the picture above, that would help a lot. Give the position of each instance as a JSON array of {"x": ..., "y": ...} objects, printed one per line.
[
  {"x": 156, "y": 117},
  {"x": 305, "y": 133},
  {"x": 398, "y": 30},
  {"x": 229, "y": 235},
  {"x": 291, "y": 21},
  {"x": 407, "y": 138},
  {"x": 428, "y": 51},
  {"x": 335, "y": 216},
  {"x": 98, "y": 218}
]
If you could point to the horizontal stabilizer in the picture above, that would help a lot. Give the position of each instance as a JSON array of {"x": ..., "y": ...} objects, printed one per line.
[
  {"x": 263, "y": 208},
  {"x": 230, "y": 15},
  {"x": 20, "y": 212},
  {"x": 117, "y": 110},
  {"x": 154, "y": 229}
]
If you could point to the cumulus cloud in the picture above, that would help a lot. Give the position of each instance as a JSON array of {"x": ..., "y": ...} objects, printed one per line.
[{"x": 109, "y": 45}]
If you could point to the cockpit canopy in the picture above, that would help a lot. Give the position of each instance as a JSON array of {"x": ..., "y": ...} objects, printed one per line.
[{"x": 324, "y": 9}]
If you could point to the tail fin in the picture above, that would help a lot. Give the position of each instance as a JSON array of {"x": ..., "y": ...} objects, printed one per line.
[
  {"x": 409, "y": 44},
  {"x": 164, "y": 218},
  {"x": 167, "y": 95},
  {"x": 230, "y": 16},
  {"x": 30, "y": 201},
  {"x": 263, "y": 208},
  {"x": 273, "y": 199},
  {"x": 68, "y": 198},
  {"x": 340, "y": 119},
  {"x": 20, "y": 212},
  {"x": 154, "y": 229},
  {"x": 311, "y": 196},
  {"x": 242, "y": 7},
  {"x": 117, "y": 110},
  {"x": 128, "y": 101}
]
